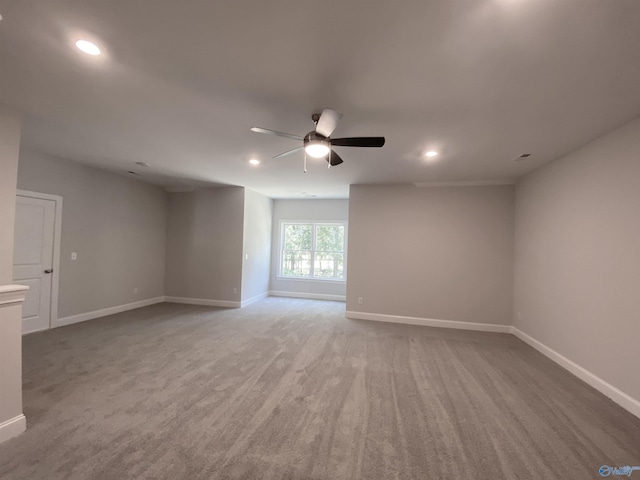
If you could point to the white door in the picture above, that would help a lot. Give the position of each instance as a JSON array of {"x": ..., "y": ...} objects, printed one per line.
[{"x": 33, "y": 259}]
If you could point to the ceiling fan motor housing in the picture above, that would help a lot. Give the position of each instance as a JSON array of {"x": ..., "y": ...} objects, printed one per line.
[{"x": 315, "y": 138}]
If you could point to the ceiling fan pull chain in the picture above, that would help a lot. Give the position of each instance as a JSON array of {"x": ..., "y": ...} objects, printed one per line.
[{"x": 305, "y": 161}]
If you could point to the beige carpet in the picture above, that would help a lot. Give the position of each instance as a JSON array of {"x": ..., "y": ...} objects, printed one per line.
[{"x": 291, "y": 389}]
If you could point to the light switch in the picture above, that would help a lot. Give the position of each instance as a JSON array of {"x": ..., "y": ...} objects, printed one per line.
[
  {"x": 246, "y": 256},
  {"x": 74, "y": 255}
]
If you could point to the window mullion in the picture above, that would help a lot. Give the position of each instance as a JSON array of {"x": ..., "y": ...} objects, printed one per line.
[
  {"x": 283, "y": 242},
  {"x": 313, "y": 251}
]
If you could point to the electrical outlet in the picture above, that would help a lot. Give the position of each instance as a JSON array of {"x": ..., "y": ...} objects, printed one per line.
[
  {"x": 74, "y": 256},
  {"x": 235, "y": 291},
  {"x": 519, "y": 317},
  {"x": 360, "y": 301},
  {"x": 135, "y": 291}
]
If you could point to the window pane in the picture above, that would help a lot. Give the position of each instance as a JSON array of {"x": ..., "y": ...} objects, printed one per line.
[
  {"x": 297, "y": 237},
  {"x": 328, "y": 265},
  {"x": 296, "y": 263},
  {"x": 330, "y": 238}
]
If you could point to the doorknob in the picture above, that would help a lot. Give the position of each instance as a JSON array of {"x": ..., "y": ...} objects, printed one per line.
[{"x": 49, "y": 270}]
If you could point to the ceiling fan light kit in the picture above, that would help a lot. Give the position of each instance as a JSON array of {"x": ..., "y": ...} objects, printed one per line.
[
  {"x": 316, "y": 145},
  {"x": 318, "y": 142}
]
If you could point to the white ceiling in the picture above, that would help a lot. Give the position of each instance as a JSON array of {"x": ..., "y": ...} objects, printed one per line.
[{"x": 181, "y": 83}]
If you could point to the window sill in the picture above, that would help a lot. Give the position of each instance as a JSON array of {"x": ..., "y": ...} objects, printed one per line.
[{"x": 313, "y": 280}]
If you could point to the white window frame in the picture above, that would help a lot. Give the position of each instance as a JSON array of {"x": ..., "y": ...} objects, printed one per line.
[{"x": 311, "y": 278}]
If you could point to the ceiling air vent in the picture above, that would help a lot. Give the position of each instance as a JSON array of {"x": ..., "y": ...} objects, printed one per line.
[{"x": 524, "y": 156}]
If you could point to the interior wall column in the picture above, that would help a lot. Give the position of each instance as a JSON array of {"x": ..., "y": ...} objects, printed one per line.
[{"x": 12, "y": 420}]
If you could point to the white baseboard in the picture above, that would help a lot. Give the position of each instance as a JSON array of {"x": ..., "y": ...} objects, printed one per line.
[
  {"x": 429, "y": 322},
  {"x": 625, "y": 401},
  {"x": 203, "y": 301},
  {"x": 249, "y": 301},
  {"x": 311, "y": 296},
  {"x": 83, "y": 317},
  {"x": 12, "y": 427}
]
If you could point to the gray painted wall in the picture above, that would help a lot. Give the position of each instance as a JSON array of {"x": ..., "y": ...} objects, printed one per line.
[
  {"x": 258, "y": 216},
  {"x": 116, "y": 225},
  {"x": 439, "y": 253},
  {"x": 305, "y": 210},
  {"x": 9, "y": 149},
  {"x": 577, "y": 257},
  {"x": 204, "y": 244},
  {"x": 10, "y": 321}
]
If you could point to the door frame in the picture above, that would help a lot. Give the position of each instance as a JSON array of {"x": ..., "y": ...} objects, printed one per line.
[{"x": 57, "y": 236}]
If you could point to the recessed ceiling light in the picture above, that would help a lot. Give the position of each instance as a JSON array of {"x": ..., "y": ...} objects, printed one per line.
[
  {"x": 431, "y": 154},
  {"x": 254, "y": 161},
  {"x": 87, "y": 47},
  {"x": 142, "y": 164}
]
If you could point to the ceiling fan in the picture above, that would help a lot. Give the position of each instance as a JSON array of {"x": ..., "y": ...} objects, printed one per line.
[{"x": 318, "y": 144}]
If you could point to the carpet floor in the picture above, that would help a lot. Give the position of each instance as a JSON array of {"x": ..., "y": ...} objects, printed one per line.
[{"x": 290, "y": 389}]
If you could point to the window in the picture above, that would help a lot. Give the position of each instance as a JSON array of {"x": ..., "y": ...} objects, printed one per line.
[{"x": 312, "y": 250}]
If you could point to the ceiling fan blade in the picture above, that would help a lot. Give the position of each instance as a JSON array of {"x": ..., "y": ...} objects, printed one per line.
[
  {"x": 358, "y": 142},
  {"x": 273, "y": 132},
  {"x": 289, "y": 152},
  {"x": 334, "y": 159},
  {"x": 328, "y": 122}
]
